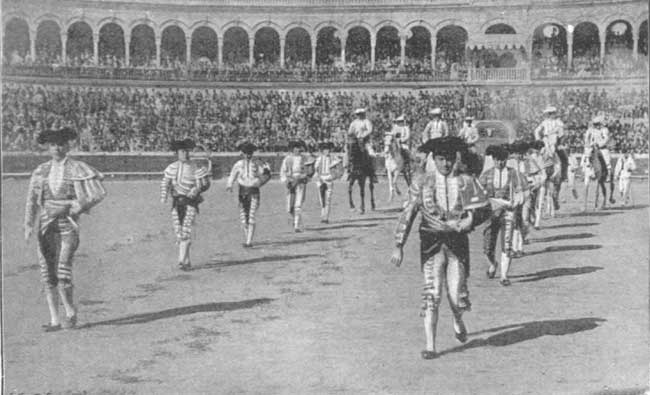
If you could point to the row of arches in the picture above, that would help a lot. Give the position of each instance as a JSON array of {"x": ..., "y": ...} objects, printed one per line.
[{"x": 141, "y": 45}]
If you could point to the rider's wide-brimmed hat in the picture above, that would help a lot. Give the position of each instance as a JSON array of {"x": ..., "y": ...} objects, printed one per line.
[
  {"x": 597, "y": 119},
  {"x": 550, "y": 110},
  {"x": 401, "y": 118},
  {"x": 185, "y": 144},
  {"x": 359, "y": 111},
  {"x": 498, "y": 152},
  {"x": 58, "y": 136},
  {"x": 468, "y": 118},
  {"x": 435, "y": 111},
  {"x": 247, "y": 147},
  {"x": 444, "y": 146}
]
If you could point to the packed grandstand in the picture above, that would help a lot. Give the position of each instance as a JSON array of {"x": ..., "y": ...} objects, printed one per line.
[{"x": 466, "y": 60}]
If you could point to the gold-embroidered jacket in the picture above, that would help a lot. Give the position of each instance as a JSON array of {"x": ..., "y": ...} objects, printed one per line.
[
  {"x": 78, "y": 188},
  {"x": 439, "y": 199}
]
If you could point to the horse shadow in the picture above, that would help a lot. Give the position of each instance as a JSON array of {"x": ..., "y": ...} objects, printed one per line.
[
  {"x": 573, "y": 225},
  {"x": 633, "y": 207},
  {"x": 144, "y": 318},
  {"x": 557, "y": 272},
  {"x": 583, "y": 247},
  {"x": 518, "y": 333},
  {"x": 592, "y": 214},
  {"x": 370, "y": 219},
  {"x": 343, "y": 226},
  {"x": 625, "y": 391},
  {"x": 300, "y": 241},
  {"x": 562, "y": 237},
  {"x": 263, "y": 259}
]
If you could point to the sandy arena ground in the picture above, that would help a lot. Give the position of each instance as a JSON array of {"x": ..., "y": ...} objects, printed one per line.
[{"x": 322, "y": 312}]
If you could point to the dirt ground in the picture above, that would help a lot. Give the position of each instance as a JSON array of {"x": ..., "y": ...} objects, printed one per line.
[{"x": 322, "y": 312}]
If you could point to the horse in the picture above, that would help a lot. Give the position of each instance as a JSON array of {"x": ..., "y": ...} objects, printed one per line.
[
  {"x": 594, "y": 168},
  {"x": 360, "y": 167},
  {"x": 548, "y": 194},
  {"x": 396, "y": 163}
]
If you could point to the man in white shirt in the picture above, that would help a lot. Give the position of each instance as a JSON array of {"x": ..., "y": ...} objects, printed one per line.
[
  {"x": 624, "y": 168},
  {"x": 469, "y": 133},
  {"x": 436, "y": 127}
]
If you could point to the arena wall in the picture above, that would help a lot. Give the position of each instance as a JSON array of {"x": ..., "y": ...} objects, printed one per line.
[{"x": 144, "y": 165}]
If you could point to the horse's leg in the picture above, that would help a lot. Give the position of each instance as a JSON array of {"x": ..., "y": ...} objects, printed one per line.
[
  {"x": 597, "y": 192},
  {"x": 541, "y": 195},
  {"x": 611, "y": 189},
  {"x": 604, "y": 189},
  {"x": 371, "y": 186},
  {"x": 391, "y": 187},
  {"x": 362, "y": 192},
  {"x": 350, "y": 185},
  {"x": 586, "y": 195}
]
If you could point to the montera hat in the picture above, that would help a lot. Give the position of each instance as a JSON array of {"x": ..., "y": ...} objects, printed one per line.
[
  {"x": 444, "y": 146},
  {"x": 537, "y": 145},
  {"x": 185, "y": 144},
  {"x": 247, "y": 147},
  {"x": 519, "y": 147},
  {"x": 58, "y": 136},
  {"x": 498, "y": 152}
]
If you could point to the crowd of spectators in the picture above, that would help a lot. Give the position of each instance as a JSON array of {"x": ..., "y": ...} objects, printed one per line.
[{"x": 141, "y": 120}]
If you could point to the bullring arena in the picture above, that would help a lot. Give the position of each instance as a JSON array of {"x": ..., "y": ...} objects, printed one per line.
[{"x": 323, "y": 310}]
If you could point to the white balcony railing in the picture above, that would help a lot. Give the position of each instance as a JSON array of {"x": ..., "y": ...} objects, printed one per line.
[{"x": 500, "y": 74}]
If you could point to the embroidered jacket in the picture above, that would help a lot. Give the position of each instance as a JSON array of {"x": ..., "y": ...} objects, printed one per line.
[
  {"x": 249, "y": 173},
  {"x": 505, "y": 184},
  {"x": 184, "y": 179},
  {"x": 296, "y": 169},
  {"x": 439, "y": 198},
  {"x": 328, "y": 168},
  {"x": 50, "y": 198}
]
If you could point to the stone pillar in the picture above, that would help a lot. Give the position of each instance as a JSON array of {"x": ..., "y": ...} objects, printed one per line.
[
  {"x": 251, "y": 45},
  {"x": 64, "y": 47},
  {"x": 373, "y": 47},
  {"x": 282, "y": 43},
  {"x": 158, "y": 54},
  {"x": 220, "y": 52},
  {"x": 96, "y": 48},
  {"x": 402, "y": 50},
  {"x": 603, "y": 39},
  {"x": 344, "y": 39},
  {"x": 635, "y": 43},
  {"x": 434, "y": 44},
  {"x": 569, "y": 46},
  {"x": 188, "y": 49},
  {"x": 127, "y": 50},
  {"x": 32, "y": 44},
  {"x": 313, "y": 53}
]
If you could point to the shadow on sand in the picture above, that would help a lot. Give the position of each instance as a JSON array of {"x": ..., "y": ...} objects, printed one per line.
[
  {"x": 263, "y": 259},
  {"x": 344, "y": 226},
  {"x": 557, "y": 272},
  {"x": 602, "y": 213},
  {"x": 582, "y": 247},
  {"x": 300, "y": 241},
  {"x": 517, "y": 333},
  {"x": 562, "y": 237},
  {"x": 180, "y": 311},
  {"x": 574, "y": 225},
  {"x": 627, "y": 391}
]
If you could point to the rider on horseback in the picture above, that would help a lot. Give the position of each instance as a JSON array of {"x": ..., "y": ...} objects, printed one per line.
[
  {"x": 437, "y": 127},
  {"x": 551, "y": 132},
  {"x": 361, "y": 128},
  {"x": 469, "y": 133},
  {"x": 598, "y": 136},
  {"x": 402, "y": 133}
]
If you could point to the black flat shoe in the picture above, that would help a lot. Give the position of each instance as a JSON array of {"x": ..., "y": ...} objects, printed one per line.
[
  {"x": 428, "y": 354},
  {"x": 461, "y": 337},
  {"x": 51, "y": 328},
  {"x": 490, "y": 274},
  {"x": 505, "y": 282}
]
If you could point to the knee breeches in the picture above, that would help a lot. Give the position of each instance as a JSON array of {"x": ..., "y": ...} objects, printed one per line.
[
  {"x": 295, "y": 198},
  {"x": 248, "y": 205},
  {"x": 56, "y": 248},
  {"x": 440, "y": 269},
  {"x": 183, "y": 218},
  {"x": 504, "y": 222}
]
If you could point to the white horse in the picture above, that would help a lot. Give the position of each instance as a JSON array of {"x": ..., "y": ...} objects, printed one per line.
[{"x": 395, "y": 164}]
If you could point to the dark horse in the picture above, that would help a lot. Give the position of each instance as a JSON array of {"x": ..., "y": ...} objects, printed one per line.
[
  {"x": 595, "y": 168},
  {"x": 360, "y": 168}
]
